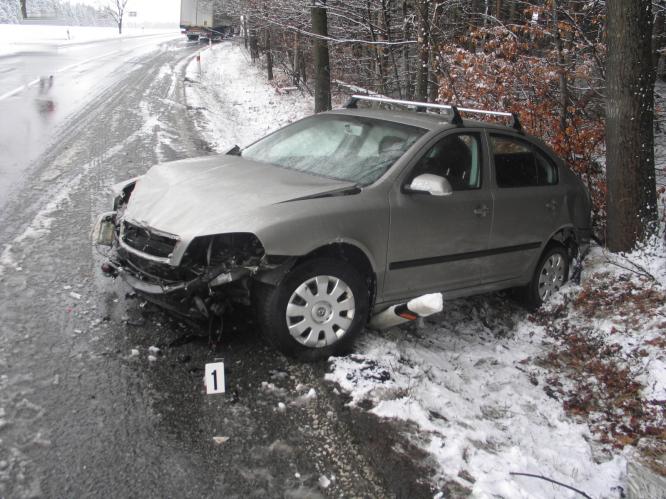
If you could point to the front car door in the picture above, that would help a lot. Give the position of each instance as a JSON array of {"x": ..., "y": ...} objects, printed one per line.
[
  {"x": 435, "y": 243},
  {"x": 528, "y": 199}
]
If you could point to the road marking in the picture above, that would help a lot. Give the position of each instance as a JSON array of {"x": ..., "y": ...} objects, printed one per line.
[{"x": 68, "y": 67}]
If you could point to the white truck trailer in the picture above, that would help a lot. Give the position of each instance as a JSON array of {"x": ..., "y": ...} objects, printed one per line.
[
  {"x": 196, "y": 18},
  {"x": 203, "y": 19}
]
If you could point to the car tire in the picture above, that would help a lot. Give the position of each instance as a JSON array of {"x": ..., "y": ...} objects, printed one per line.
[
  {"x": 549, "y": 276},
  {"x": 316, "y": 311}
]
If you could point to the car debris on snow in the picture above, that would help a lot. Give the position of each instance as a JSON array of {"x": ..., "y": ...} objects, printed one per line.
[{"x": 324, "y": 482}]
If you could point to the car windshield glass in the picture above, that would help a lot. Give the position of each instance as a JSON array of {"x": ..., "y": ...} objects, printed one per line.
[{"x": 349, "y": 148}]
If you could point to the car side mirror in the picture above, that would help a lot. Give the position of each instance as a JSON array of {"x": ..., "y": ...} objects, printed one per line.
[{"x": 431, "y": 184}]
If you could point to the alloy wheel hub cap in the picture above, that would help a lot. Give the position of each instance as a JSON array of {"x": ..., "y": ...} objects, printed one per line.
[
  {"x": 551, "y": 276},
  {"x": 320, "y": 311}
]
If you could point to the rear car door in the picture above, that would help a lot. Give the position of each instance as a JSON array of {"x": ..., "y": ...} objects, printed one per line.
[
  {"x": 528, "y": 199},
  {"x": 435, "y": 243}
]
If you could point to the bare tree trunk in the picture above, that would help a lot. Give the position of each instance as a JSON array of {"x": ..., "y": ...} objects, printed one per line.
[
  {"x": 632, "y": 198},
  {"x": 405, "y": 52},
  {"x": 390, "y": 53},
  {"x": 24, "y": 9},
  {"x": 512, "y": 12},
  {"x": 659, "y": 39},
  {"x": 423, "y": 38},
  {"x": 297, "y": 59},
  {"x": 564, "y": 88},
  {"x": 433, "y": 86},
  {"x": 322, "y": 67},
  {"x": 269, "y": 55},
  {"x": 254, "y": 43},
  {"x": 245, "y": 33},
  {"x": 376, "y": 50}
]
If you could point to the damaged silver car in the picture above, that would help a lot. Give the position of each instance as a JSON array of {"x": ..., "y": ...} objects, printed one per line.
[{"x": 342, "y": 214}]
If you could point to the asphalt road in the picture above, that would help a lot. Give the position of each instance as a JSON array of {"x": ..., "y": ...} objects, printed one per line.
[{"x": 80, "y": 414}]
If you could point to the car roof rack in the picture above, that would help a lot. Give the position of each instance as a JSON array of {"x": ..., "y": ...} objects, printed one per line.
[{"x": 422, "y": 106}]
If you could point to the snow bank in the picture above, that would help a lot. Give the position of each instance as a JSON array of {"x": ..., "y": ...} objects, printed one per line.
[{"x": 236, "y": 100}]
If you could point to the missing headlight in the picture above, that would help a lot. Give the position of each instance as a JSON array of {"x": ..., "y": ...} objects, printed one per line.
[{"x": 239, "y": 249}]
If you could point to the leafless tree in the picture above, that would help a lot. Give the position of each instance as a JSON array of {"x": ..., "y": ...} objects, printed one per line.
[{"x": 116, "y": 10}]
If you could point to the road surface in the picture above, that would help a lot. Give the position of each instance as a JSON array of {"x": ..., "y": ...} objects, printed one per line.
[{"x": 86, "y": 409}]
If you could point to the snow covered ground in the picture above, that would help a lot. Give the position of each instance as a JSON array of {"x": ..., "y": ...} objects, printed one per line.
[
  {"x": 20, "y": 38},
  {"x": 571, "y": 393},
  {"x": 237, "y": 104}
]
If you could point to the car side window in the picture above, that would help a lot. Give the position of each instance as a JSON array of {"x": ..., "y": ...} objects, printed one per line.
[
  {"x": 546, "y": 169},
  {"x": 519, "y": 164},
  {"x": 455, "y": 157}
]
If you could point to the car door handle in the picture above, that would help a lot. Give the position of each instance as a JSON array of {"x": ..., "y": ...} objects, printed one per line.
[
  {"x": 481, "y": 211},
  {"x": 551, "y": 205}
]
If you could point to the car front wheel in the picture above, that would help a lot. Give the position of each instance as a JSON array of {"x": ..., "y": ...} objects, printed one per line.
[{"x": 316, "y": 311}]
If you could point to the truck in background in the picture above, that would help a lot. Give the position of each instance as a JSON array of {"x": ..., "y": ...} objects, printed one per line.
[{"x": 199, "y": 20}]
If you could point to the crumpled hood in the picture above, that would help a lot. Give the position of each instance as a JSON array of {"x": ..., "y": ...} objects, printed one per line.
[{"x": 217, "y": 194}]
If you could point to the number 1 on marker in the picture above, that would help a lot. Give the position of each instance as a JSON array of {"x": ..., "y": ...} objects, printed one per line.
[{"x": 214, "y": 378}]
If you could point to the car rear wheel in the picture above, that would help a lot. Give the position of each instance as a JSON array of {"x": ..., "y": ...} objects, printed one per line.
[
  {"x": 316, "y": 311},
  {"x": 550, "y": 275}
]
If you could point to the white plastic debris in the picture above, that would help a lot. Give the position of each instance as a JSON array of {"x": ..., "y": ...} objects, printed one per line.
[
  {"x": 281, "y": 407},
  {"x": 66, "y": 287},
  {"x": 324, "y": 482},
  {"x": 297, "y": 475},
  {"x": 152, "y": 358},
  {"x": 220, "y": 440},
  {"x": 134, "y": 352},
  {"x": 74, "y": 295},
  {"x": 422, "y": 306},
  {"x": 153, "y": 350},
  {"x": 427, "y": 304}
]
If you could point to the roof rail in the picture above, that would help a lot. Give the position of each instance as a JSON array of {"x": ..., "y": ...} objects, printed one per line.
[{"x": 422, "y": 106}]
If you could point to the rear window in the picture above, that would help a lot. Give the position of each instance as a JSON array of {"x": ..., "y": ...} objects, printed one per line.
[
  {"x": 519, "y": 164},
  {"x": 350, "y": 148}
]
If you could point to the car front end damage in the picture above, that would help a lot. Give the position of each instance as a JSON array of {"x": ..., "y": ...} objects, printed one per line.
[{"x": 198, "y": 279}]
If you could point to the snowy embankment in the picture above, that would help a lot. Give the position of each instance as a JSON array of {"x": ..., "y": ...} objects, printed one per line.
[
  {"x": 20, "y": 38},
  {"x": 237, "y": 103},
  {"x": 571, "y": 393}
]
